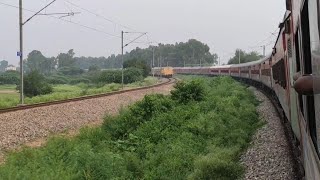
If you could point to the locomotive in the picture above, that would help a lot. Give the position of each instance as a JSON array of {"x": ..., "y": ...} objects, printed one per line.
[{"x": 291, "y": 73}]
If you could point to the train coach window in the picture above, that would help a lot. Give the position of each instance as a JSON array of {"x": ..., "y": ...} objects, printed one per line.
[
  {"x": 297, "y": 48},
  {"x": 309, "y": 103},
  {"x": 314, "y": 18},
  {"x": 298, "y": 68}
]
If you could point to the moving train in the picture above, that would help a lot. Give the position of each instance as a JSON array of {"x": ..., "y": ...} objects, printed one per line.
[
  {"x": 292, "y": 74},
  {"x": 166, "y": 72}
]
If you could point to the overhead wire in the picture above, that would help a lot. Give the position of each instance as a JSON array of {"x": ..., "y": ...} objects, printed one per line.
[
  {"x": 64, "y": 20},
  {"x": 98, "y": 15}
]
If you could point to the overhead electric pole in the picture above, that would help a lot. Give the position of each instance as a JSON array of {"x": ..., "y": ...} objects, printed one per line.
[
  {"x": 152, "y": 62},
  {"x": 239, "y": 57},
  {"x": 122, "y": 73},
  {"x": 122, "y": 47},
  {"x": 21, "y": 51}
]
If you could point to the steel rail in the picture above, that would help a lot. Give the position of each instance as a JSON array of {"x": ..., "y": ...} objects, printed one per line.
[{"x": 31, "y": 106}]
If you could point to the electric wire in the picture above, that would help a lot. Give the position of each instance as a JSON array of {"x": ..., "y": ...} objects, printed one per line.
[
  {"x": 64, "y": 20},
  {"x": 98, "y": 15}
]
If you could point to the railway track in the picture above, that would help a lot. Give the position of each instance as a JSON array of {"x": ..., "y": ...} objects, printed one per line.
[{"x": 31, "y": 106}]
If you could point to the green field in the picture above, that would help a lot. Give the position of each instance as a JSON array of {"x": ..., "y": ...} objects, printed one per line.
[
  {"x": 199, "y": 132},
  {"x": 9, "y": 96}
]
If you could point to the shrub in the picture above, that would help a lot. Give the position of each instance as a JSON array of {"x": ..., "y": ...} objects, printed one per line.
[
  {"x": 56, "y": 79},
  {"x": 10, "y": 77},
  {"x": 70, "y": 70},
  {"x": 35, "y": 84},
  {"x": 94, "y": 68},
  {"x": 220, "y": 164},
  {"x": 109, "y": 76},
  {"x": 141, "y": 112},
  {"x": 139, "y": 64},
  {"x": 79, "y": 80},
  {"x": 188, "y": 91},
  {"x": 130, "y": 75}
]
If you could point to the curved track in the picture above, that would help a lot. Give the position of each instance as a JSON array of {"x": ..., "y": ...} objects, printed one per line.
[{"x": 30, "y": 106}]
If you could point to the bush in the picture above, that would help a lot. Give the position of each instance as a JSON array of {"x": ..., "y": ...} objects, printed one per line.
[
  {"x": 35, "y": 84},
  {"x": 188, "y": 91},
  {"x": 10, "y": 77},
  {"x": 130, "y": 75},
  {"x": 70, "y": 71},
  {"x": 220, "y": 164},
  {"x": 94, "y": 68},
  {"x": 56, "y": 79},
  {"x": 109, "y": 76},
  {"x": 79, "y": 80},
  {"x": 141, "y": 112},
  {"x": 139, "y": 64}
]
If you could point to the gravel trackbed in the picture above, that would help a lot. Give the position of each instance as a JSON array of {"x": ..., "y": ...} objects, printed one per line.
[
  {"x": 269, "y": 156},
  {"x": 21, "y": 127}
]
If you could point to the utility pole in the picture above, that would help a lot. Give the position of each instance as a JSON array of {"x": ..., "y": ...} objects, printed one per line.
[
  {"x": 21, "y": 52},
  {"x": 153, "y": 61},
  {"x": 160, "y": 66},
  {"x": 122, "y": 73},
  {"x": 219, "y": 61},
  {"x": 122, "y": 47},
  {"x": 21, "y": 24},
  {"x": 264, "y": 50},
  {"x": 239, "y": 57}
]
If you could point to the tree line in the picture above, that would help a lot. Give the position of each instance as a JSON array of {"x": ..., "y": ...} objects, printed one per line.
[
  {"x": 191, "y": 53},
  {"x": 244, "y": 57}
]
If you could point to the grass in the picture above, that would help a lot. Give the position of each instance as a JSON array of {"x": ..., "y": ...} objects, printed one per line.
[
  {"x": 62, "y": 92},
  {"x": 7, "y": 87},
  {"x": 156, "y": 138},
  {"x": 8, "y": 96}
]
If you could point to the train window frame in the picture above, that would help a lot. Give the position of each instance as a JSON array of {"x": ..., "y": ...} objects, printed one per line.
[
  {"x": 318, "y": 11},
  {"x": 309, "y": 103},
  {"x": 314, "y": 14}
]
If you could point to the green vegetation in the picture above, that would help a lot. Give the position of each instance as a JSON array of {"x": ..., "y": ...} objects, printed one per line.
[
  {"x": 66, "y": 91},
  {"x": 244, "y": 57},
  {"x": 130, "y": 75},
  {"x": 35, "y": 84},
  {"x": 7, "y": 87},
  {"x": 188, "y": 53},
  {"x": 9, "y": 77},
  {"x": 156, "y": 138},
  {"x": 3, "y": 65},
  {"x": 140, "y": 64}
]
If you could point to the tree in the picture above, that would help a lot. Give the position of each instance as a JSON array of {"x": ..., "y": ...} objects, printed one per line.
[
  {"x": 3, "y": 65},
  {"x": 66, "y": 59},
  {"x": 140, "y": 64},
  {"x": 94, "y": 68},
  {"x": 244, "y": 57},
  {"x": 72, "y": 71},
  {"x": 10, "y": 77},
  {"x": 190, "y": 53},
  {"x": 35, "y": 84},
  {"x": 36, "y": 61}
]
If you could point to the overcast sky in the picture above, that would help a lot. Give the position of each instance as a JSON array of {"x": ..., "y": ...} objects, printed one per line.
[{"x": 222, "y": 24}]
